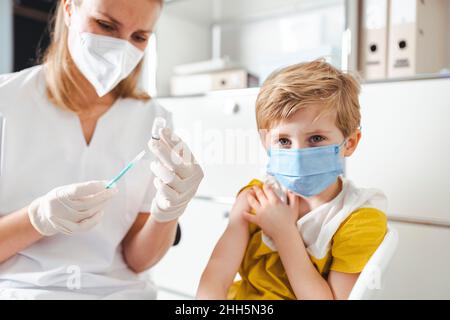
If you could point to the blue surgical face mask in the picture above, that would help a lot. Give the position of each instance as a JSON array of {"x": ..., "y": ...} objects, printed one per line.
[{"x": 307, "y": 171}]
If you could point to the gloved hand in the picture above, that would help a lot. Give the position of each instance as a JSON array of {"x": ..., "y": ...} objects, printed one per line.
[
  {"x": 177, "y": 176},
  {"x": 69, "y": 209}
]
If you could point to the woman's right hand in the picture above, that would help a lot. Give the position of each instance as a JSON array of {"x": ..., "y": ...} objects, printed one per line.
[{"x": 70, "y": 209}]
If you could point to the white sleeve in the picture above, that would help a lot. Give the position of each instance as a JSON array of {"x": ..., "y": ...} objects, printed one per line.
[{"x": 149, "y": 195}]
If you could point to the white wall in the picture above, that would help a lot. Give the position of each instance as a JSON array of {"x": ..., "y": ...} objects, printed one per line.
[
  {"x": 6, "y": 36},
  {"x": 251, "y": 33},
  {"x": 268, "y": 44},
  {"x": 179, "y": 41}
]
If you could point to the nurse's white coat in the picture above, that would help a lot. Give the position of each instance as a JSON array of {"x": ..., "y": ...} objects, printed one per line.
[{"x": 45, "y": 148}]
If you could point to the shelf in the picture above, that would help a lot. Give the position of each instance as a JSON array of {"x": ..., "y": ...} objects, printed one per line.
[
  {"x": 430, "y": 76},
  {"x": 217, "y": 93},
  {"x": 254, "y": 91},
  {"x": 235, "y": 12}
]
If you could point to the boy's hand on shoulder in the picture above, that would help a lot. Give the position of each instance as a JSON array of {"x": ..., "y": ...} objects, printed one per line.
[
  {"x": 240, "y": 207},
  {"x": 272, "y": 215}
]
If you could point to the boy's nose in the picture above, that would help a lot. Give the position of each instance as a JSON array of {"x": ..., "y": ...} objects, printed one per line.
[{"x": 298, "y": 145}]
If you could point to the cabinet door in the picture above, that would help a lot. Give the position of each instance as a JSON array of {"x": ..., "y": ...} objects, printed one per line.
[
  {"x": 404, "y": 148},
  {"x": 221, "y": 132},
  {"x": 419, "y": 267},
  {"x": 201, "y": 227}
]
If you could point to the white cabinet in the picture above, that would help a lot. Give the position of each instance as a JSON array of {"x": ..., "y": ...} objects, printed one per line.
[
  {"x": 419, "y": 268},
  {"x": 405, "y": 152},
  {"x": 179, "y": 272},
  {"x": 404, "y": 149},
  {"x": 221, "y": 131}
]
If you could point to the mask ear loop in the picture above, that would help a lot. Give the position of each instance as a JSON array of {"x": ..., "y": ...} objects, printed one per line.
[
  {"x": 339, "y": 147},
  {"x": 346, "y": 139}
]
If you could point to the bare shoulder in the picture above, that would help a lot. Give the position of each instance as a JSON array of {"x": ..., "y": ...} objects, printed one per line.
[{"x": 240, "y": 206}]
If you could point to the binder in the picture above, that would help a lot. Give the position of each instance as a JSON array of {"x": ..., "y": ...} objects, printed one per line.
[
  {"x": 374, "y": 39},
  {"x": 418, "y": 37}
]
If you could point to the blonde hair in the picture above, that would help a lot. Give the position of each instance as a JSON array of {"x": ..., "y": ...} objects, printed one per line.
[
  {"x": 301, "y": 85},
  {"x": 60, "y": 80}
]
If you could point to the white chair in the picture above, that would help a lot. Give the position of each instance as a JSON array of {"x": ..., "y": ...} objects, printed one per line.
[{"x": 370, "y": 282}]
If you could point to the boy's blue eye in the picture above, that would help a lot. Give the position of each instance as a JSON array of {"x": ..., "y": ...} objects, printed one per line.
[
  {"x": 284, "y": 142},
  {"x": 316, "y": 139}
]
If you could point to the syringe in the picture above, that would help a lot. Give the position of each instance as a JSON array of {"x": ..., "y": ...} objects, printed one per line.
[{"x": 158, "y": 124}]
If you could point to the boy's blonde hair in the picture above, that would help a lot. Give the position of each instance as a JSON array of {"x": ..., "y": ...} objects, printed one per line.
[{"x": 301, "y": 85}]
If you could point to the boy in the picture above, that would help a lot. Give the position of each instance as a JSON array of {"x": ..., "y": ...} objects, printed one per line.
[{"x": 314, "y": 243}]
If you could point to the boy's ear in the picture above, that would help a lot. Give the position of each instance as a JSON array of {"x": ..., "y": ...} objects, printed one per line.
[{"x": 352, "y": 143}]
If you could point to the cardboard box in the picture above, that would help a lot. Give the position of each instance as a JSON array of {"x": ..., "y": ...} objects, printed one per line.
[{"x": 203, "y": 83}]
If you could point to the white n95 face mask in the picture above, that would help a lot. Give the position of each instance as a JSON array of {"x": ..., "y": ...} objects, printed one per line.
[{"x": 103, "y": 60}]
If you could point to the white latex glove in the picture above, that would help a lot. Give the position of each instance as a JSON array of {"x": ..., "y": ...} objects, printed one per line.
[
  {"x": 69, "y": 209},
  {"x": 177, "y": 176}
]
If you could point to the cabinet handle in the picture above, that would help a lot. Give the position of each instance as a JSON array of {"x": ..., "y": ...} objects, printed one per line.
[{"x": 232, "y": 107}]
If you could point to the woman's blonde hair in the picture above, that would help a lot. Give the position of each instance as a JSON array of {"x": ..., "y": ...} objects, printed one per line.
[
  {"x": 61, "y": 83},
  {"x": 312, "y": 83}
]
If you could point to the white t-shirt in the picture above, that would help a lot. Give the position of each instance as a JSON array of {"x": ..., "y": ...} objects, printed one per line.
[{"x": 45, "y": 148}]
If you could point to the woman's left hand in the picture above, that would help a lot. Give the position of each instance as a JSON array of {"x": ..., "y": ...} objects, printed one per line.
[
  {"x": 177, "y": 176},
  {"x": 272, "y": 215}
]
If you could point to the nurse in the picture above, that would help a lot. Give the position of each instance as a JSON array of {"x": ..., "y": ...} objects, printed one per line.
[{"x": 72, "y": 123}]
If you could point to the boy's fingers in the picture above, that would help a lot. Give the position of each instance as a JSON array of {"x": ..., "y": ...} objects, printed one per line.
[
  {"x": 294, "y": 201},
  {"x": 270, "y": 194},
  {"x": 250, "y": 217},
  {"x": 252, "y": 201},
  {"x": 260, "y": 195},
  {"x": 251, "y": 192}
]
